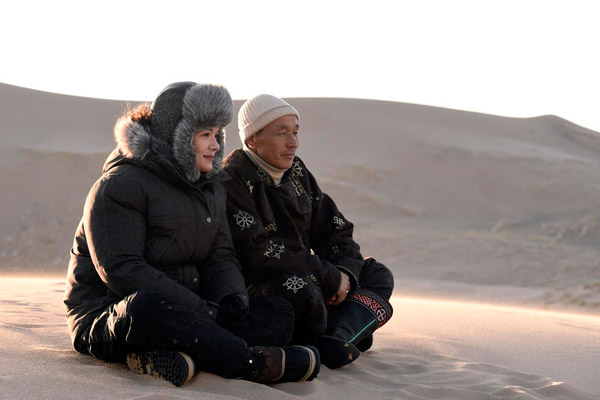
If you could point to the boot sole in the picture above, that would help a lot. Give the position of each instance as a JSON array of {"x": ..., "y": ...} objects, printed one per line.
[
  {"x": 304, "y": 364},
  {"x": 311, "y": 364},
  {"x": 175, "y": 367}
]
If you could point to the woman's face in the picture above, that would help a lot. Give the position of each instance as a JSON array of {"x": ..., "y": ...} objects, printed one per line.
[{"x": 205, "y": 147}]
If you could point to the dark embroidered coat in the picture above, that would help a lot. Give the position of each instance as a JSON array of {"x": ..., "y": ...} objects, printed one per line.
[{"x": 288, "y": 229}]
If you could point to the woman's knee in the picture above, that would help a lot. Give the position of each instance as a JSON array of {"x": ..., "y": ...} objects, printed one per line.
[{"x": 143, "y": 303}]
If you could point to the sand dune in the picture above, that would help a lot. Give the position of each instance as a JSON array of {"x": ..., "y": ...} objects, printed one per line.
[{"x": 461, "y": 206}]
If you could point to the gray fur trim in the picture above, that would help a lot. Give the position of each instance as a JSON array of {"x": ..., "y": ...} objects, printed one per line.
[
  {"x": 132, "y": 139},
  {"x": 204, "y": 106}
]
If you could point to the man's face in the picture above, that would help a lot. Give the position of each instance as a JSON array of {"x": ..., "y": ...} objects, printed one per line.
[{"x": 277, "y": 142}]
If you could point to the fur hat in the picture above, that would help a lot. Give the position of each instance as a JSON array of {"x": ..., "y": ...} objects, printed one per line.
[
  {"x": 260, "y": 111},
  {"x": 178, "y": 112}
]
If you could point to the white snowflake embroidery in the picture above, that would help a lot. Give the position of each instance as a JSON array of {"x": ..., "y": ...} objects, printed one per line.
[
  {"x": 297, "y": 185},
  {"x": 271, "y": 227},
  {"x": 338, "y": 222},
  {"x": 265, "y": 177},
  {"x": 294, "y": 181},
  {"x": 274, "y": 250},
  {"x": 296, "y": 169},
  {"x": 244, "y": 220},
  {"x": 249, "y": 185},
  {"x": 294, "y": 283}
]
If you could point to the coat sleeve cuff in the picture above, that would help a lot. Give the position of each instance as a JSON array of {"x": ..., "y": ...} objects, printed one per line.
[{"x": 353, "y": 279}]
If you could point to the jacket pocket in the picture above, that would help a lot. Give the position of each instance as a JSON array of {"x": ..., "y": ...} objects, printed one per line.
[{"x": 160, "y": 237}]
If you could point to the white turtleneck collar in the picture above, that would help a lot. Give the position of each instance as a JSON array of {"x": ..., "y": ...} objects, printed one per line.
[{"x": 274, "y": 172}]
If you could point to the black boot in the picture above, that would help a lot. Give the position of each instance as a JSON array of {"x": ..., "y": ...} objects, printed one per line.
[
  {"x": 351, "y": 326},
  {"x": 283, "y": 364},
  {"x": 173, "y": 366},
  {"x": 365, "y": 344}
]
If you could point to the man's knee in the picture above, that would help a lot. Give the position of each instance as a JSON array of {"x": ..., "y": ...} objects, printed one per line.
[{"x": 377, "y": 277}]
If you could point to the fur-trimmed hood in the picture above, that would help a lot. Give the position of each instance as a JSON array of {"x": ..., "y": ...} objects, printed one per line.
[{"x": 179, "y": 111}]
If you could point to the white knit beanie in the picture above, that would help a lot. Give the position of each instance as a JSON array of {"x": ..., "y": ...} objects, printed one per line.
[{"x": 260, "y": 111}]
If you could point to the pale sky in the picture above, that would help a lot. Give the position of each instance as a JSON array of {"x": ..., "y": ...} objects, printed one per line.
[{"x": 512, "y": 58}]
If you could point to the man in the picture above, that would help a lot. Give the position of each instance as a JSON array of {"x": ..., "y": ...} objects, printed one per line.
[{"x": 292, "y": 240}]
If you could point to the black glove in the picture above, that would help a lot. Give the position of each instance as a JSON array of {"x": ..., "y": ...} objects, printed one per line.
[
  {"x": 233, "y": 313},
  {"x": 212, "y": 309}
]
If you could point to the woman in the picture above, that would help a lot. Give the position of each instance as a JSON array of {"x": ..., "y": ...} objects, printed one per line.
[{"x": 153, "y": 279}]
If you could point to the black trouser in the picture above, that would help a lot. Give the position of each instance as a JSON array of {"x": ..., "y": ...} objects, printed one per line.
[
  {"x": 306, "y": 298},
  {"x": 377, "y": 278},
  {"x": 313, "y": 317},
  {"x": 146, "y": 321}
]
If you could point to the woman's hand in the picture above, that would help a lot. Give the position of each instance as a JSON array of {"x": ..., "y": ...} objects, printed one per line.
[
  {"x": 232, "y": 314},
  {"x": 342, "y": 292}
]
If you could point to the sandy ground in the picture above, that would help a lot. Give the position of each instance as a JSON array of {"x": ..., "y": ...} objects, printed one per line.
[
  {"x": 490, "y": 225},
  {"x": 429, "y": 350}
]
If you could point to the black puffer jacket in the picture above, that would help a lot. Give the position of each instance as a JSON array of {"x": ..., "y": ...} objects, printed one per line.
[{"x": 147, "y": 225}]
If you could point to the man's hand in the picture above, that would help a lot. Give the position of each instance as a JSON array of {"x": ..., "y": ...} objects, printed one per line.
[{"x": 342, "y": 292}]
